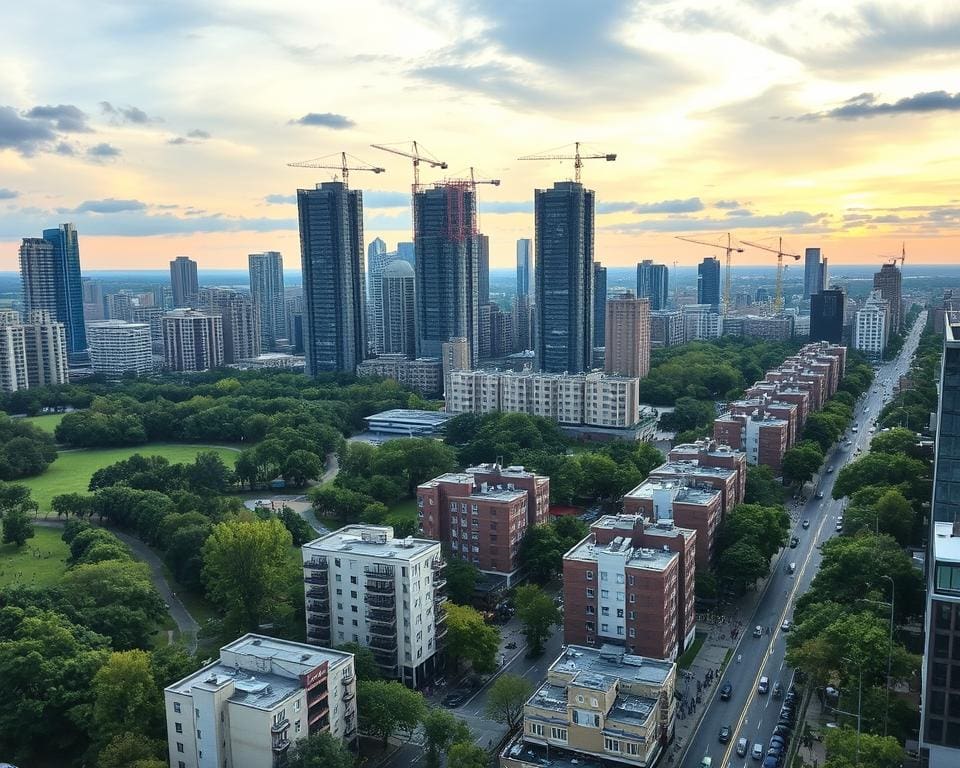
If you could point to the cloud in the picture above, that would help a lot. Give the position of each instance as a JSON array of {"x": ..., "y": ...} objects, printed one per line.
[
  {"x": 179, "y": 140},
  {"x": 103, "y": 151},
  {"x": 8, "y": 194},
  {"x": 615, "y": 206},
  {"x": 128, "y": 114},
  {"x": 724, "y": 204},
  {"x": 109, "y": 205},
  {"x": 196, "y": 133},
  {"x": 63, "y": 148},
  {"x": 278, "y": 199},
  {"x": 64, "y": 117},
  {"x": 24, "y": 136},
  {"x": 507, "y": 206},
  {"x": 791, "y": 221},
  {"x": 324, "y": 120},
  {"x": 690, "y": 205},
  {"x": 738, "y": 212},
  {"x": 866, "y": 105}
]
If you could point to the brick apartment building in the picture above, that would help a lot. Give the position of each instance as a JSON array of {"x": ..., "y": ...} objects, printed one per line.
[
  {"x": 764, "y": 438},
  {"x": 783, "y": 392},
  {"x": 483, "y": 513},
  {"x": 693, "y": 474},
  {"x": 773, "y": 407},
  {"x": 631, "y": 582}
]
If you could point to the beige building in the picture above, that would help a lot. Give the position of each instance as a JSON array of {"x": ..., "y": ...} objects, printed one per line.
[
  {"x": 627, "y": 341},
  {"x": 597, "y": 704},
  {"x": 240, "y": 318},
  {"x": 45, "y": 340},
  {"x": 455, "y": 356},
  {"x": 13, "y": 353},
  {"x": 192, "y": 340},
  {"x": 261, "y": 696},
  {"x": 425, "y": 374},
  {"x": 118, "y": 348}
]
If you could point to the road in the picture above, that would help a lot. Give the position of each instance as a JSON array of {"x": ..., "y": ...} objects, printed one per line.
[{"x": 748, "y": 713}]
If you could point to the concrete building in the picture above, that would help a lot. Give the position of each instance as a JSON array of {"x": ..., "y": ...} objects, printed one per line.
[
  {"x": 398, "y": 310},
  {"x": 770, "y": 405},
  {"x": 263, "y": 695},
  {"x": 483, "y": 270},
  {"x": 45, "y": 340},
  {"x": 666, "y": 328},
  {"x": 424, "y": 374},
  {"x": 483, "y": 513},
  {"x": 708, "y": 282},
  {"x": 701, "y": 322},
  {"x": 872, "y": 326},
  {"x": 240, "y": 318},
  {"x": 378, "y": 257},
  {"x": 631, "y": 583},
  {"x": 524, "y": 267},
  {"x": 599, "y": 304},
  {"x": 120, "y": 306},
  {"x": 597, "y": 707},
  {"x": 118, "y": 348},
  {"x": 826, "y": 315},
  {"x": 889, "y": 281},
  {"x": 775, "y": 328},
  {"x": 192, "y": 340},
  {"x": 407, "y": 422},
  {"x": 13, "y": 353},
  {"x": 152, "y": 316},
  {"x": 331, "y": 255},
  {"x": 364, "y": 586},
  {"x": 698, "y": 474},
  {"x": 272, "y": 361},
  {"x": 564, "y": 221},
  {"x": 653, "y": 282},
  {"x": 183, "y": 280},
  {"x": 627, "y": 343},
  {"x": 524, "y": 321},
  {"x": 266, "y": 289},
  {"x": 455, "y": 356}
]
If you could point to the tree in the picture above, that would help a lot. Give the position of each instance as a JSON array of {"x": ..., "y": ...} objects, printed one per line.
[
  {"x": 300, "y": 529},
  {"x": 170, "y": 663},
  {"x": 570, "y": 530},
  {"x": 388, "y": 706},
  {"x": 208, "y": 473},
  {"x": 442, "y": 729},
  {"x": 470, "y": 639},
  {"x": 762, "y": 487},
  {"x": 506, "y": 698},
  {"x": 319, "y": 750},
  {"x": 599, "y": 474},
  {"x": 126, "y": 698},
  {"x": 247, "y": 569},
  {"x": 881, "y": 509},
  {"x": 76, "y": 504},
  {"x": 801, "y": 462},
  {"x": 541, "y": 553},
  {"x": 765, "y": 527},
  {"x": 17, "y": 527},
  {"x": 879, "y": 469},
  {"x": 16, "y": 497},
  {"x": 897, "y": 440},
  {"x": 301, "y": 466},
  {"x": 538, "y": 614},
  {"x": 466, "y": 754},
  {"x": 461, "y": 580},
  {"x": 184, "y": 553},
  {"x": 741, "y": 564},
  {"x": 874, "y": 750},
  {"x": 25, "y": 450},
  {"x": 364, "y": 662},
  {"x": 132, "y": 750}
]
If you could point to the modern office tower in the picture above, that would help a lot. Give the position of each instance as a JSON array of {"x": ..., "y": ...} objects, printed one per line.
[
  {"x": 266, "y": 288},
  {"x": 294, "y": 306},
  {"x": 599, "y": 303},
  {"x": 38, "y": 274},
  {"x": 501, "y": 332},
  {"x": 627, "y": 339},
  {"x": 940, "y": 711},
  {"x": 630, "y": 583},
  {"x": 13, "y": 353},
  {"x": 331, "y": 253},
  {"x": 708, "y": 282},
  {"x": 483, "y": 513},
  {"x": 240, "y": 321},
  {"x": 192, "y": 340},
  {"x": 118, "y": 348},
  {"x": 377, "y": 259},
  {"x": 761, "y": 296},
  {"x": 871, "y": 329},
  {"x": 826, "y": 315},
  {"x": 483, "y": 271},
  {"x": 398, "y": 309},
  {"x": 183, "y": 281},
  {"x": 258, "y": 698},
  {"x": 120, "y": 306},
  {"x": 483, "y": 332},
  {"x": 564, "y": 228},
  {"x": 631, "y": 724},
  {"x": 666, "y": 328},
  {"x": 814, "y": 273},
  {"x": 455, "y": 356},
  {"x": 45, "y": 340},
  {"x": 447, "y": 267},
  {"x": 92, "y": 291},
  {"x": 523, "y": 323},
  {"x": 889, "y": 282},
  {"x": 406, "y": 252},
  {"x": 524, "y": 266},
  {"x": 364, "y": 586},
  {"x": 653, "y": 282},
  {"x": 824, "y": 274},
  {"x": 152, "y": 316}
]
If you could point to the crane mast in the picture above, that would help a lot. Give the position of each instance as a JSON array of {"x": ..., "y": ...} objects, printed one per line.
[
  {"x": 344, "y": 167},
  {"x": 778, "y": 296},
  {"x": 577, "y": 158},
  {"x": 728, "y": 276}
]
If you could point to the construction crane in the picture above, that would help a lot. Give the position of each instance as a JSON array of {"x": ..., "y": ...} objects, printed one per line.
[
  {"x": 344, "y": 168},
  {"x": 901, "y": 258},
  {"x": 415, "y": 153},
  {"x": 778, "y": 296},
  {"x": 728, "y": 277},
  {"x": 576, "y": 157}
]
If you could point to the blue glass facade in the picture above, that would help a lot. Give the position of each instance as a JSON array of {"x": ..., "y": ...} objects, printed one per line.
[
  {"x": 69, "y": 288},
  {"x": 708, "y": 282}
]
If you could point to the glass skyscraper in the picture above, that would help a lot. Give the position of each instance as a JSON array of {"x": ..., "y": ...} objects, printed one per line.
[
  {"x": 599, "y": 304},
  {"x": 653, "y": 283},
  {"x": 266, "y": 288},
  {"x": 708, "y": 282},
  {"x": 524, "y": 257}
]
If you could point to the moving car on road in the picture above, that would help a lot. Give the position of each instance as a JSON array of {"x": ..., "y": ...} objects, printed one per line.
[
  {"x": 794, "y": 542},
  {"x": 724, "y": 734},
  {"x": 758, "y": 631},
  {"x": 726, "y": 691},
  {"x": 742, "y": 745},
  {"x": 805, "y": 524},
  {"x": 786, "y": 626},
  {"x": 757, "y": 753},
  {"x": 763, "y": 686},
  {"x": 454, "y": 700}
]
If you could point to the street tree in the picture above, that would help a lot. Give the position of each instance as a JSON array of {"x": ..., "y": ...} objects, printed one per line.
[
  {"x": 132, "y": 750},
  {"x": 881, "y": 509},
  {"x": 538, "y": 614},
  {"x": 364, "y": 662},
  {"x": 466, "y": 754},
  {"x": 319, "y": 750},
  {"x": 541, "y": 553},
  {"x": 762, "y": 487},
  {"x": 442, "y": 729},
  {"x": 506, "y": 698},
  {"x": 388, "y": 706},
  {"x": 845, "y": 747},
  {"x": 741, "y": 564},
  {"x": 461, "y": 580},
  {"x": 470, "y": 639},
  {"x": 801, "y": 462},
  {"x": 878, "y": 469},
  {"x": 897, "y": 441}
]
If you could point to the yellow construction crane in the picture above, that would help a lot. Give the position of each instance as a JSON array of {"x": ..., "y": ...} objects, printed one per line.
[
  {"x": 343, "y": 167},
  {"x": 576, "y": 157},
  {"x": 778, "y": 296},
  {"x": 730, "y": 248},
  {"x": 901, "y": 258},
  {"x": 415, "y": 153}
]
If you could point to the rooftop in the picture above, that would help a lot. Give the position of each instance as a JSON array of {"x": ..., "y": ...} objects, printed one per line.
[
  {"x": 373, "y": 541},
  {"x": 429, "y": 418},
  {"x": 683, "y": 494},
  {"x": 590, "y": 666},
  {"x": 692, "y": 468},
  {"x": 635, "y": 557},
  {"x": 634, "y": 710},
  {"x": 490, "y": 491}
]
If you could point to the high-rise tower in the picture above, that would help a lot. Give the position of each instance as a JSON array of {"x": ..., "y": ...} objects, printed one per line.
[
  {"x": 398, "y": 313},
  {"x": 889, "y": 282},
  {"x": 266, "y": 288},
  {"x": 564, "y": 225},
  {"x": 377, "y": 259},
  {"x": 331, "y": 253},
  {"x": 524, "y": 262},
  {"x": 483, "y": 271},
  {"x": 183, "y": 279},
  {"x": 708, "y": 282},
  {"x": 653, "y": 283},
  {"x": 814, "y": 273},
  {"x": 599, "y": 303},
  {"x": 628, "y": 336}
]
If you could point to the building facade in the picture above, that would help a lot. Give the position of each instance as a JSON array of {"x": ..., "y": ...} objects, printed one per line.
[
  {"x": 708, "y": 282},
  {"x": 364, "y": 586},
  {"x": 192, "y": 340},
  {"x": 13, "y": 353},
  {"x": 263, "y": 695},
  {"x": 118, "y": 348},
  {"x": 423, "y": 374},
  {"x": 524, "y": 267},
  {"x": 331, "y": 255},
  {"x": 813, "y": 273},
  {"x": 826, "y": 315},
  {"x": 889, "y": 281},
  {"x": 240, "y": 319},
  {"x": 266, "y": 289},
  {"x": 398, "y": 309},
  {"x": 871, "y": 329},
  {"x": 183, "y": 280},
  {"x": 653, "y": 282},
  {"x": 627, "y": 344},
  {"x": 45, "y": 340},
  {"x": 599, "y": 304},
  {"x": 666, "y": 328},
  {"x": 378, "y": 257},
  {"x": 701, "y": 322}
]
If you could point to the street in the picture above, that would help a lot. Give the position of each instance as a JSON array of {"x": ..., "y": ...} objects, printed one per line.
[{"x": 748, "y": 713}]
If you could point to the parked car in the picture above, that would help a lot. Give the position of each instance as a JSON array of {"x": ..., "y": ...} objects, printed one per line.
[
  {"x": 725, "y": 692},
  {"x": 454, "y": 700},
  {"x": 742, "y": 745},
  {"x": 758, "y": 631},
  {"x": 786, "y": 626},
  {"x": 794, "y": 542},
  {"x": 782, "y": 730},
  {"x": 830, "y": 469},
  {"x": 777, "y": 690},
  {"x": 792, "y": 568},
  {"x": 724, "y": 734},
  {"x": 820, "y": 493}
]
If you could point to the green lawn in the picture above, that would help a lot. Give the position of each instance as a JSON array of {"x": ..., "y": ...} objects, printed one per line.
[
  {"x": 402, "y": 512},
  {"x": 688, "y": 656},
  {"x": 72, "y": 470},
  {"x": 48, "y": 422},
  {"x": 21, "y": 565}
]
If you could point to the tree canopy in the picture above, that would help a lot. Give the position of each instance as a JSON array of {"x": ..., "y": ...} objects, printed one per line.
[{"x": 470, "y": 639}]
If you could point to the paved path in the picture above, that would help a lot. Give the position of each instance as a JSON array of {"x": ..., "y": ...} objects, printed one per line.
[{"x": 187, "y": 625}]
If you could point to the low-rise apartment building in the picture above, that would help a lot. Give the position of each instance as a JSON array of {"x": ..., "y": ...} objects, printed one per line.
[
  {"x": 424, "y": 374},
  {"x": 694, "y": 474},
  {"x": 769, "y": 406},
  {"x": 763, "y": 437},
  {"x": 710, "y": 453},
  {"x": 364, "y": 586},
  {"x": 261, "y": 696},
  {"x": 597, "y": 706}
]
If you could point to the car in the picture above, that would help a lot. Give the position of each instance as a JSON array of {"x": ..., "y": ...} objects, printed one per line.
[
  {"x": 757, "y": 752},
  {"x": 830, "y": 469},
  {"x": 786, "y": 626},
  {"x": 820, "y": 493},
  {"x": 726, "y": 690},
  {"x": 792, "y": 568},
  {"x": 805, "y": 524},
  {"x": 770, "y": 762},
  {"x": 724, "y": 734},
  {"x": 742, "y": 745},
  {"x": 778, "y": 741},
  {"x": 758, "y": 631},
  {"x": 706, "y": 762},
  {"x": 782, "y": 730},
  {"x": 854, "y": 428},
  {"x": 777, "y": 690},
  {"x": 794, "y": 542},
  {"x": 839, "y": 527},
  {"x": 763, "y": 686},
  {"x": 454, "y": 700}
]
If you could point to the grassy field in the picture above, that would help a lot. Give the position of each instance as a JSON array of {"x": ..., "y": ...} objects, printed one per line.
[
  {"x": 48, "y": 422},
  {"x": 402, "y": 512},
  {"x": 21, "y": 565},
  {"x": 72, "y": 470}
]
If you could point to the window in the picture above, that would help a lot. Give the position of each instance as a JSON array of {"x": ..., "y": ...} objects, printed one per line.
[
  {"x": 178, "y": 727},
  {"x": 620, "y": 596},
  {"x": 340, "y": 620},
  {"x": 589, "y": 575},
  {"x": 590, "y": 610},
  {"x": 296, "y": 727},
  {"x": 590, "y": 592},
  {"x": 180, "y": 746},
  {"x": 619, "y": 578},
  {"x": 604, "y": 611},
  {"x": 199, "y": 735},
  {"x": 604, "y": 627},
  {"x": 339, "y": 577},
  {"x": 620, "y": 631},
  {"x": 632, "y": 748},
  {"x": 296, "y": 705},
  {"x": 611, "y": 745},
  {"x": 181, "y": 764},
  {"x": 579, "y": 698},
  {"x": 176, "y": 707},
  {"x": 948, "y": 578},
  {"x": 633, "y": 597},
  {"x": 631, "y": 580},
  {"x": 336, "y": 562},
  {"x": 197, "y": 711},
  {"x": 593, "y": 702},
  {"x": 339, "y": 592},
  {"x": 603, "y": 575},
  {"x": 633, "y": 632},
  {"x": 354, "y": 609},
  {"x": 590, "y": 626},
  {"x": 558, "y": 734},
  {"x": 536, "y": 729},
  {"x": 355, "y": 623},
  {"x": 605, "y": 593},
  {"x": 632, "y": 614}
]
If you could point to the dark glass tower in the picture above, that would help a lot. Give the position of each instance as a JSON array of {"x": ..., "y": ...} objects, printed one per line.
[
  {"x": 564, "y": 227},
  {"x": 599, "y": 304},
  {"x": 708, "y": 282},
  {"x": 183, "y": 282},
  {"x": 483, "y": 271},
  {"x": 68, "y": 287},
  {"x": 524, "y": 246},
  {"x": 826, "y": 316},
  {"x": 653, "y": 283},
  {"x": 331, "y": 253}
]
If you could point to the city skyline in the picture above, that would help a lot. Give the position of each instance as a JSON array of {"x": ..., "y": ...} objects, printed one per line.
[{"x": 845, "y": 143}]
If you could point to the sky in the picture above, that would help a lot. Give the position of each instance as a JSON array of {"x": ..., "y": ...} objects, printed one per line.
[{"x": 165, "y": 128}]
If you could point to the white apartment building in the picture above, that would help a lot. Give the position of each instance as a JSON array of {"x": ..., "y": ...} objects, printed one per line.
[
  {"x": 425, "y": 374},
  {"x": 192, "y": 340},
  {"x": 45, "y": 340},
  {"x": 118, "y": 348},
  {"x": 701, "y": 322},
  {"x": 261, "y": 696},
  {"x": 871, "y": 328},
  {"x": 13, "y": 353},
  {"x": 364, "y": 586}
]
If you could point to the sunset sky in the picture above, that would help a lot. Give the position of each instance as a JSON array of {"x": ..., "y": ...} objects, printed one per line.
[{"x": 163, "y": 127}]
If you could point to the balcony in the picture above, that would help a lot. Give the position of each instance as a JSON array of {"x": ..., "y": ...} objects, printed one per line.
[
  {"x": 385, "y": 644},
  {"x": 440, "y": 631},
  {"x": 319, "y": 620},
  {"x": 320, "y": 593},
  {"x": 348, "y": 695},
  {"x": 281, "y": 745},
  {"x": 380, "y": 587},
  {"x": 440, "y": 617},
  {"x": 316, "y": 563},
  {"x": 383, "y": 629},
  {"x": 379, "y": 601},
  {"x": 348, "y": 680},
  {"x": 439, "y": 599},
  {"x": 438, "y": 564},
  {"x": 318, "y": 606},
  {"x": 281, "y": 726},
  {"x": 379, "y": 572},
  {"x": 319, "y": 635},
  {"x": 317, "y": 577},
  {"x": 439, "y": 582},
  {"x": 382, "y": 614}
]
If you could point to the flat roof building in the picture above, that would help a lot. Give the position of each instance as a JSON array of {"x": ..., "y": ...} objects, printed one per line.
[{"x": 408, "y": 422}]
